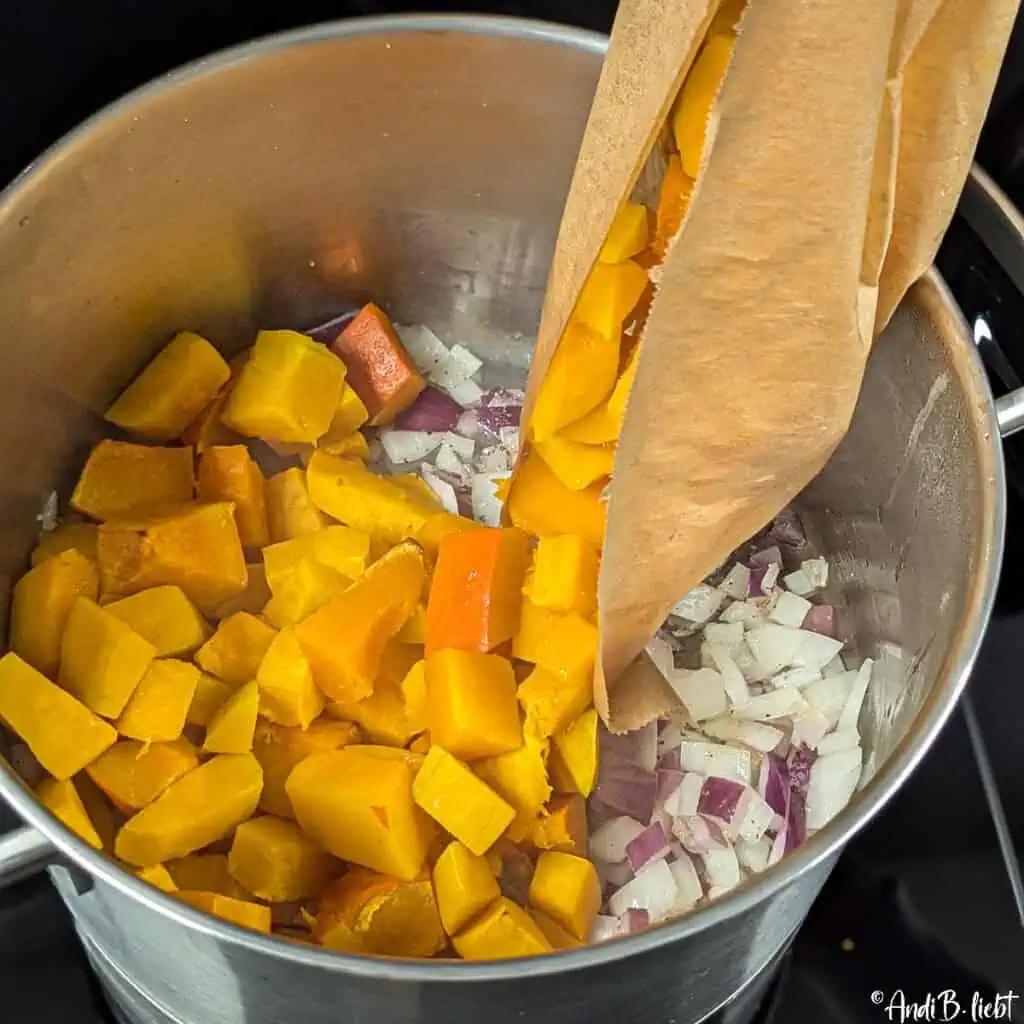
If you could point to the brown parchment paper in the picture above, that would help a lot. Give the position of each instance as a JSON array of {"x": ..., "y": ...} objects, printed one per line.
[{"x": 838, "y": 147}]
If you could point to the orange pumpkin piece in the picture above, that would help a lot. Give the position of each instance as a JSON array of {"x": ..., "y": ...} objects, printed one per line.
[
  {"x": 207, "y": 872},
  {"x": 290, "y": 511},
  {"x": 232, "y": 728},
  {"x": 476, "y": 589},
  {"x": 133, "y": 774},
  {"x": 207, "y": 429},
  {"x": 236, "y": 649},
  {"x": 210, "y": 695},
  {"x": 464, "y": 885},
  {"x": 567, "y": 889},
  {"x": 80, "y": 537},
  {"x": 577, "y": 465},
  {"x": 573, "y": 761},
  {"x": 275, "y": 861},
  {"x": 502, "y": 931},
  {"x": 561, "y": 826},
  {"x": 228, "y": 473},
  {"x": 379, "y": 369},
  {"x": 241, "y": 912},
  {"x": 61, "y": 799},
  {"x": 673, "y": 200}
]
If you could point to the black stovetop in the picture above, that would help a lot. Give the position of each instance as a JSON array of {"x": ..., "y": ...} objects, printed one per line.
[{"x": 921, "y": 901}]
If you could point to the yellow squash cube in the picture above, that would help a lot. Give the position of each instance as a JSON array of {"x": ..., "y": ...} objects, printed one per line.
[
  {"x": 172, "y": 390},
  {"x": 415, "y": 629},
  {"x": 241, "y": 912},
  {"x": 134, "y": 774},
  {"x": 554, "y": 933},
  {"x": 158, "y": 876},
  {"x": 382, "y": 716},
  {"x": 348, "y": 417},
  {"x": 340, "y": 548},
  {"x": 629, "y": 234},
  {"x": 233, "y": 726},
  {"x": 287, "y": 693},
  {"x": 197, "y": 809},
  {"x": 503, "y": 931},
  {"x": 228, "y": 473},
  {"x": 564, "y": 576},
  {"x": 275, "y": 861},
  {"x": 252, "y": 600},
  {"x": 290, "y": 510},
  {"x": 534, "y": 624},
  {"x": 288, "y": 390},
  {"x": 122, "y": 479},
  {"x": 61, "y": 799},
  {"x": 464, "y": 885},
  {"x": 280, "y": 748},
  {"x": 578, "y": 466},
  {"x": 459, "y": 802},
  {"x": 573, "y": 761},
  {"x": 569, "y": 647},
  {"x": 358, "y": 804},
  {"x": 157, "y": 710},
  {"x": 520, "y": 776},
  {"x": 102, "y": 660},
  {"x": 567, "y": 889},
  {"x": 553, "y": 702},
  {"x": 611, "y": 293},
  {"x": 346, "y": 638},
  {"x": 471, "y": 703},
  {"x": 414, "y": 695},
  {"x": 355, "y": 446},
  {"x": 207, "y": 872},
  {"x": 41, "y": 603},
  {"x": 210, "y": 696},
  {"x": 236, "y": 649},
  {"x": 80, "y": 537},
  {"x": 306, "y": 588},
  {"x": 166, "y": 618},
  {"x": 693, "y": 109}
]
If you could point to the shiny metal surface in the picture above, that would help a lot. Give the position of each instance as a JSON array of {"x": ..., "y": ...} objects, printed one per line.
[
  {"x": 23, "y": 852},
  {"x": 424, "y": 162}
]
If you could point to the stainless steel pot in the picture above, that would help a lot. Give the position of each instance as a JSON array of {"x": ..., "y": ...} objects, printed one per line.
[{"x": 424, "y": 161}]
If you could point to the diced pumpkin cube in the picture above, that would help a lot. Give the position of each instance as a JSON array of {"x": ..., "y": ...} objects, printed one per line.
[
  {"x": 503, "y": 931},
  {"x": 347, "y": 491},
  {"x": 543, "y": 506},
  {"x": 80, "y": 537},
  {"x": 441, "y": 525},
  {"x": 459, "y": 802},
  {"x": 133, "y": 774},
  {"x": 420, "y": 744},
  {"x": 415, "y": 629},
  {"x": 565, "y": 575},
  {"x": 236, "y": 649},
  {"x": 165, "y": 617},
  {"x": 287, "y": 693},
  {"x": 475, "y": 592},
  {"x": 567, "y": 889},
  {"x": 100, "y": 809},
  {"x": 121, "y": 479},
  {"x": 157, "y": 710},
  {"x": 61, "y": 799},
  {"x": 551, "y": 701},
  {"x": 554, "y": 932},
  {"x": 306, "y": 588},
  {"x": 287, "y": 391},
  {"x": 471, "y": 703},
  {"x": 535, "y": 623},
  {"x": 698, "y": 95},
  {"x": 610, "y": 294},
  {"x": 579, "y": 378},
  {"x": 241, "y": 912},
  {"x": 605, "y": 422},
  {"x": 275, "y": 861},
  {"x": 382, "y": 716},
  {"x": 210, "y": 695},
  {"x": 673, "y": 201},
  {"x": 629, "y": 233},
  {"x": 158, "y": 876},
  {"x": 379, "y": 369},
  {"x": 345, "y": 639},
  {"x": 233, "y": 726},
  {"x": 197, "y": 809},
  {"x": 207, "y": 872},
  {"x": 208, "y": 429},
  {"x": 414, "y": 695},
  {"x": 228, "y": 473},
  {"x": 195, "y": 547},
  {"x": 41, "y": 603},
  {"x": 569, "y": 647},
  {"x": 367, "y": 912},
  {"x": 355, "y": 446},
  {"x": 341, "y": 548},
  {"x": 563, "y": 827},
  {"x": 573, "y": 760},
  {"x": 350, "y": 415},
  {"x": 280, "y": 748},
  {"x": 577, "y": 465},
  {"x": 464, "y": 886},
  {"x": 102, "y": 659},
  {"x": 520, "y": 776},
  {"x": 290, "y": 511},
  {"x": 252, "y": 600},
  {"x": 357, "y": 803},
  {"x": 172, "y": 390}
]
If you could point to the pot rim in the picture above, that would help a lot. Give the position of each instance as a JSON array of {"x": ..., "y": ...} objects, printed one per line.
[{"x": 826, "y": 843}]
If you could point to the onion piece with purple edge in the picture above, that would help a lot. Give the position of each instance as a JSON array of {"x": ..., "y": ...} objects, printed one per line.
[
  {"x": 646, "y": 747},
  {"x": 653, "y": 889},
  {"x": 720, "y": 798},
  {"x": 625, "y": 788},
  {"x": 795, "y": 830},
  {"x": 608, "y": 842},
  {"x": 495, "y": 414},
  {"x": 689, "y": 887},
  {"x": 774, "y": 784},
  {"x": 736, "y": 582},
  {"x": 652, "y": 844},
  {"x": 789, "y": 609},
  {"x": 634, "y": 920},
  {"x": 613, "y": 876},
  {"x": 433, "y": 410},
  {"x": 821, "y": 618},
  {"x": 698, "y": 834},
  {"x": 757, "y": 735},
  {"x": 774, "y": 704},
  {"x": 799, "y": 764},
  {"x": 684, "y": 800},
  {"x": 605, "y": 927},
  {"x": 669, "y": 780},
  {"x": 765, "y": 557}
]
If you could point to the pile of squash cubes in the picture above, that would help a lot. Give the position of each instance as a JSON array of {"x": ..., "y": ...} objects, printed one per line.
[{"x": 319, "y": 704}]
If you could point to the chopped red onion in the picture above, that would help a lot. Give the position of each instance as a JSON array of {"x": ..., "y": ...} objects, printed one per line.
[
  {"x": 605, "y": 927},
  {"x": 833, "y": 779},
  {"x": 613, "y": 876},
  {"x": 798, "y": 582},
  {"x": 816, "y": 571},
  {"x": 425, "y": 348},
  {"x": 646, "y": 746},
  {"x": 433, "y": 410},
  {"x": 790, "y": 609},
  {"x": 684, "y": 800},
  {"x": 800, "y": 763},
  {"x": 634, "y": 920},
  {"x": 689, "y": 889},
  {"x": 649, "y": 845},
  {"x": 773, "y": 784},
  {"x": 851, "y": 710},
  {"x": 766, "y": 557},
  {"x": 834, "y": 668},
  {"x": 742, "y": 611},
  {"x": 669, "y": 761},
  {"x": 736, "y": 583},
  {"x": 754, "y": 818},
  {"x": 702, "y": 692},
  {"x": 795, "y": 830},
  {"x": 733, "y": 683},
  {"x": 756, "y": 735},
  {"x": 328, "y": 331},
  {"x": 659, "y": 650},
  {"x": 715, "y": 759},
  {"x": 766, "y": 707},
  {"x": 608, "y": 842},
  {"x": 762, "y": 581},
  {"x": 468, "y": 425},
  {"x": 720, "y": 798},
  {"x": 778, "y": 850},
  {"x": 669, "y": 780},
  {"x": 653, "y": 889},
  {"x": 721, "y": 869},
  {"x": 625, "y": 788},
  {"x": 494, "y": 417},
  {"x": 753, "y": 856},
  {"x": 447, "y": 461},
  {"x": 699, "y": 604},
  {"x": 697, "y": 834}
]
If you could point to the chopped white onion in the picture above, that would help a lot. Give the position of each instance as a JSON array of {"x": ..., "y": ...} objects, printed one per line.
[
  {"x": 404, "y": 446},
  {"x": 725, "y": 634},
  {"x": 736, "y": 582},
  {"x": 757, "y": 735},
  {"x": 716, "y": 759},
  {"x": 851, "y": 712},
  {"x": 447, "y": 460},
  {"x": 483, "y": 494},
  {"x": 790, "y": 610},
  {"x": 795, "y": 677},
  {"x": 721, "y": 869},
  {"x": 834, "y": 668},
  {"x": 460, "y": 365},
  {"x": 766, "y": 707},
  {"x": 843, "y": 739},
  {"x": 605, "y": 927},
  {"x": 701, "y": 691},
  {"x": 426, "y": 349},
  {"x": 753, "y": 855},
  {"x": 833, "y": 780},
  {"x": 463, "y": 447},
  {"x": 816, "y": 570},
  {"x": 444, "y": 490},
  {"x": 467, "y": 393},
  {"x": 798, "y": 582},
  {"x": 699, "y": 604},
  {"x": 775, "y": 647},
  {"x": 609, "y": 841},
  {"x": 755, "y": 817},
  {"x": 829, "y": 696},
  {"x": 494, "y": 460},
  {"x": 646, "y": 740},
  {"x": 817, "y": 650},
  {"x": 686, "y": 798},
  {"x": 696, "y": 835},
  {"x": 652, "y": 889},
  {"x": 732, "y": 678},
  {"x": 688, "y": 885},
  {"x": 742, "y": 611},
  {"x": 747, "y": 664},
  {"x": 809, "y": 729}
]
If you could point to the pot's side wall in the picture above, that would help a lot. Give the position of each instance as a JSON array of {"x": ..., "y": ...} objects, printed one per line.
[{"x": 157, "y": 967}]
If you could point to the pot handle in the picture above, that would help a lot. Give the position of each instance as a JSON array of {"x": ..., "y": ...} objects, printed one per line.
[
  {"x": 1010, "y": 413},
  {"x": 24, "y": 852}
]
